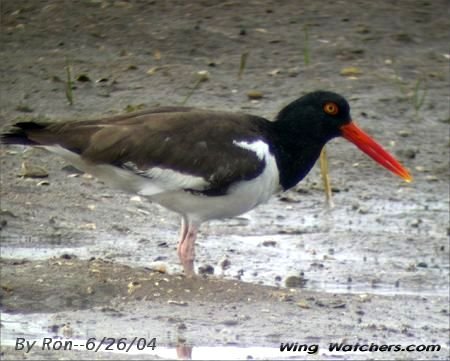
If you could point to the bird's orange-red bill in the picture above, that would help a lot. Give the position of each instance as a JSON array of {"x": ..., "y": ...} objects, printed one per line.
[{"x": 363, "y": 141}]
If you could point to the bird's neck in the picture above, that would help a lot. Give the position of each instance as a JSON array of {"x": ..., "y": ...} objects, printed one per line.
[{"x": 295, "y": 155}]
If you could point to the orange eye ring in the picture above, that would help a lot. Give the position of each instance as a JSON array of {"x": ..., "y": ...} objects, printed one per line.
[{"x": 331, "y": 108}]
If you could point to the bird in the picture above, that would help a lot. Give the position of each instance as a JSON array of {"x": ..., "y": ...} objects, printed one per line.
[{"x": 204, "y": 164}]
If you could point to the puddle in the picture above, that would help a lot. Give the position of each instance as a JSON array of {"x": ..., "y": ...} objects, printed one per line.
[
  {"x": 334, "y": 251},
  {"x": 15, "y": 327},
  {"x": 336, "y": 262}
]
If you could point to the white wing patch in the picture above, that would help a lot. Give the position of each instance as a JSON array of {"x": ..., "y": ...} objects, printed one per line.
[
  {"x": 167, "y": 179},
  {"x": 261, "y": 188},
  {"x": 260, "y": 148}
]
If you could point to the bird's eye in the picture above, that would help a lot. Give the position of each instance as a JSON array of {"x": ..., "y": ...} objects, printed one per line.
[{"x": 331, "y": 108}]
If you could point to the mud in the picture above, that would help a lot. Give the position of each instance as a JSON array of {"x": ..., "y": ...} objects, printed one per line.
[{"x": 81, "y": 260}]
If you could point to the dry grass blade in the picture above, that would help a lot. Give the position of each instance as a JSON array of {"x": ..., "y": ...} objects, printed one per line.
[
  {"x": 242, "y": 64},
  {"x": 419, "y": 95},
  {"x": 202, "y": 76},
  {"x": 326, "y": 177},
  {"x": 69, "y": 83},
  {"x": 306, "y": 54}
]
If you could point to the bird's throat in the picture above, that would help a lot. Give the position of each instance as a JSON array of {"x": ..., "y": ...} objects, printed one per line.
[{"x": 295, "y": 164}]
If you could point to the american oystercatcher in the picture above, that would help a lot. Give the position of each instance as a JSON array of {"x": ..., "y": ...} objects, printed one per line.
[{"x": 204, "y": 164}]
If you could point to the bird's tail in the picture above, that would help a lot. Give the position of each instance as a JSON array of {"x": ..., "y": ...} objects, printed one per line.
[{"x": 19, "y": 134}]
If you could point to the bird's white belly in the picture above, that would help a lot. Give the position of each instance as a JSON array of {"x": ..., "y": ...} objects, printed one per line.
[{"x": 240, "y": 198}]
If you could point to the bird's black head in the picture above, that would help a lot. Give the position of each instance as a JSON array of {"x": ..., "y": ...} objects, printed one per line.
[
  {"x": 306, "y": 124},
  {"x": 316, "y": 117}
]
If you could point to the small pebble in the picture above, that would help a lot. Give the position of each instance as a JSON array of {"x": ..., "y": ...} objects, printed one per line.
[
  {"x": 71, "y": 169},
  {"x": 404, "y": 133},
  {"x": 431, "y": 178},
  {"x": 30, "y": 170},
  {"x": 3, "y": 224},
  {"x": 303, "y": 304},
  {"x": 407, "y": 153},
  {"x": 254, "y": 94},
  {"x": 230, "y": 322},
  {"x": 133, "y": 286},
  {"x": 338, "y": 305},
  {"x": 203, "y": 75},
  {"x": 225, "y": 263},
  {"x": 350, "y": 71},
  {"x": 295, "y": 282},
  {"x": 269, "y": 243},
  {"x": 206, "y": 270},
  {"x": 53, "y": 329},
  {"x": 67, "y": 330},
  {"x": 83, "y": 78},
  {"x": 363, "y": 210},
  {"x": 177, "y": 303},
  {"x": 293, "y": 72}
]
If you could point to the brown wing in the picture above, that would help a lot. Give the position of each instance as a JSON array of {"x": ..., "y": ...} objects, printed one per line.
[{"x": 186, "y": 140}]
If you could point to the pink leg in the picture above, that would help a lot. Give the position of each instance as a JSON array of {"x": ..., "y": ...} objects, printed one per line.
[
  {"x": 186, "y": 246},
  {"x": 184, "y": 228},
  {"x": 183, "y": 233}
]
